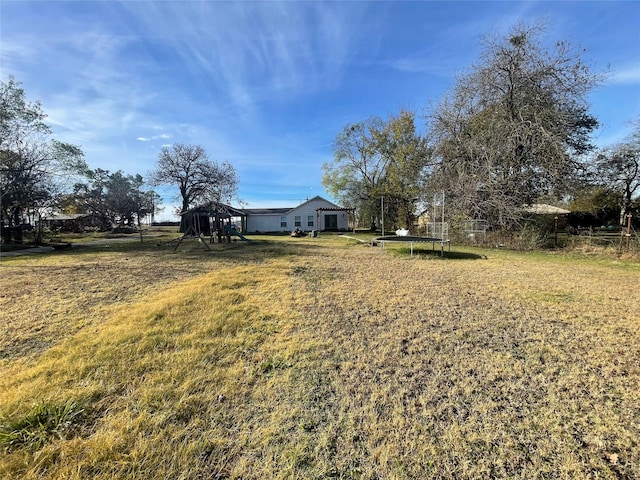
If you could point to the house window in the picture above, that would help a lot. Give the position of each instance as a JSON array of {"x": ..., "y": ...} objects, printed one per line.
[
  {"x": 298, "y": 221},
  {"x": 310, "y": 221},
  {"x": 283, "y": 221}
]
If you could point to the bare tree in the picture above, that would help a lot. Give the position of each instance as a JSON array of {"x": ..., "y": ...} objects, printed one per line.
[
  {"x": 514, "y": 128},
  {"x": 199, "y": 180}
]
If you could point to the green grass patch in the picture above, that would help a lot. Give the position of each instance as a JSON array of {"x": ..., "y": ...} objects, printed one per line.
[{"x": 36, "y": 428}]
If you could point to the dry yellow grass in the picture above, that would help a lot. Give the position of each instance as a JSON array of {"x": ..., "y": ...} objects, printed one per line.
[
  {"x": 46, "y": 298},
  {"x": 322, "y": 359}
]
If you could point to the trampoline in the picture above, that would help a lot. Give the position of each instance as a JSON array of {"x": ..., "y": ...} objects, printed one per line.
[{"x": 412, "y": 239}]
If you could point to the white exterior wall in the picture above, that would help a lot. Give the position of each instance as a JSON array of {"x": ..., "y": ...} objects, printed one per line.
[
  {"x": 309, "y": 208},
  {"x": 342, "y": 217},
  {"x": 265, "y": 223},
  {"x": 305, "y": 210},
  {"x": 271, "y": 222}
]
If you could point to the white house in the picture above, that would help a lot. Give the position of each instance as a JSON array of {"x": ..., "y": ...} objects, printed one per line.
[{"x": 314, "y": 214}]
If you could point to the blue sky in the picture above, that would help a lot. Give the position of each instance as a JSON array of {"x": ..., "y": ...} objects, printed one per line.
[{"x": 267, "y": 86}]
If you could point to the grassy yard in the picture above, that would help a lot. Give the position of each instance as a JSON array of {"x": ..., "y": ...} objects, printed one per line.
[{"x": 316, "y": 359}]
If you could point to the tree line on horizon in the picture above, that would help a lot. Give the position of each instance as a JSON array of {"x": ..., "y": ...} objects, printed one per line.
[
  {"x": 513, "y": 131},
  {"x": 41, "y": 176}
]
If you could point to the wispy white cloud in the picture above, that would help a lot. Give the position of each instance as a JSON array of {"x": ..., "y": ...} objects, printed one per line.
[
  {"x": 253, "y": 51},
  {"x": 439, "y": 63},
  {"x": 442, "y": 55},
  {"x": 15, "y": 52},
  {"x": 628, "y": 74},
  {"x": 162, "y": 136}
]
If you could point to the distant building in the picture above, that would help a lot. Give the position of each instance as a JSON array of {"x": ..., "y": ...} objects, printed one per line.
[
  {"x": 79, "y": 222},
  {"x": 545, "y": 209}
]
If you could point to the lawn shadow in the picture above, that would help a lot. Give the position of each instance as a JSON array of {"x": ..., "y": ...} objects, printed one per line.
[
  {"x": 192, "y": 248},
  {"x": 444, "y": 255}
]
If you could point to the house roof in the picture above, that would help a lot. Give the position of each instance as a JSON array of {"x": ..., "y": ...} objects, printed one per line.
[
  {"x": 284, "y": 211},
  {"x": 544, "y": 209},
  {"x": 267, "y": 211},
  {"x": 62, "y": 216},
  {"x": 317, "y": 197}
]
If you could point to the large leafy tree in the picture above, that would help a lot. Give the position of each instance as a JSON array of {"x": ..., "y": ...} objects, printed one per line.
[
  {"x": 120, "y": 199},
  {"x": 34, "y": 167},
  {"x": 377, "y": 159},
  {"x": 514, "y": 128},
  {"x": 199, "y": 180},
  {"x": 408, "y": 160},
  {"x": 356, "y": 174}
]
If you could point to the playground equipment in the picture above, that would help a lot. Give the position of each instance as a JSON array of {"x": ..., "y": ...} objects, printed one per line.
[
  {"x": 231, "y": 231},
  {"x": 192, "y": 230},
  {"x": 215, "y": 219}
]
